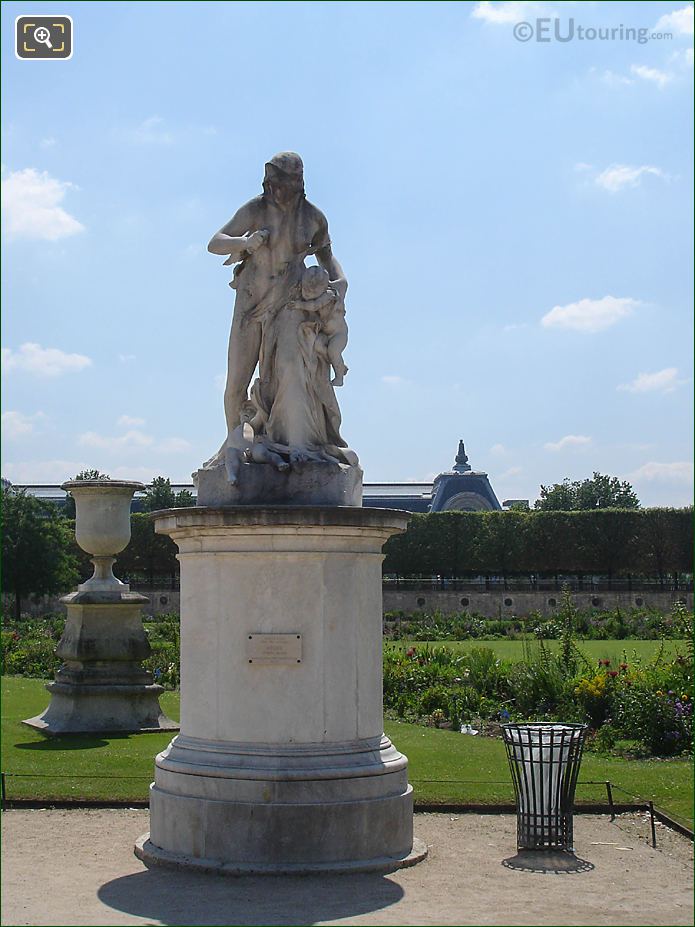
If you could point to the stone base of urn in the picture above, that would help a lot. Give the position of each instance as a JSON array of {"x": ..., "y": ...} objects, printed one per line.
[
  {"x": 101, "y": 686},
  {"x": 281, "y": 764}
]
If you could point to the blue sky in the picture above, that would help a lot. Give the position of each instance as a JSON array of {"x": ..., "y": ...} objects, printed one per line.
[{"x": 514, "y": 219}]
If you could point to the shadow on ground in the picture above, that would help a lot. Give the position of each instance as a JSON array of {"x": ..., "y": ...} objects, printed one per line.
[
  {"x": 194, "y": 899},
  {"x": 58, "y": 743},
  {"x": 555, "y": 861}
]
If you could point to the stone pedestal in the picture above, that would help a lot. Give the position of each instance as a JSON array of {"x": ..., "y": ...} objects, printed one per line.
[
  {"x": 315, "y": 483},
  {"x": 281, "y": 764},
  {"x": 101, "y": 686}
]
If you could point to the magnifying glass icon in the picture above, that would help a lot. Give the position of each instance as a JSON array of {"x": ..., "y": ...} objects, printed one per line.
[{"x": 43, "y": 36}]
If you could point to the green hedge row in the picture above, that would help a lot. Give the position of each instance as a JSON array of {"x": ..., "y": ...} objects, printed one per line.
[{"x": 607, "y": 542}]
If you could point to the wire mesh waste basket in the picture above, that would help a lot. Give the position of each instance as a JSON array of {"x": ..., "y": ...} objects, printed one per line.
[{"x": 544, "y": 761}]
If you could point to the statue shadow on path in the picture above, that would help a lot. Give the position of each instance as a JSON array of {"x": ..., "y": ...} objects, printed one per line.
[
  {"x": 549, "y": 861},
  {"x": 193, "y": 899}
]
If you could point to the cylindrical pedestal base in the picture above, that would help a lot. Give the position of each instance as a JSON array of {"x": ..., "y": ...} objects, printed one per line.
[{"x": 281, "y": 764}]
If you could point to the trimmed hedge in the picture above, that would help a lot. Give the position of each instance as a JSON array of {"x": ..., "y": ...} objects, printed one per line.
[{"x": 609, "y": 542}]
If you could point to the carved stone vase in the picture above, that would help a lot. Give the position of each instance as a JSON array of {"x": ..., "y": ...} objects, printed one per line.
[{"x": 102, "y": 685}]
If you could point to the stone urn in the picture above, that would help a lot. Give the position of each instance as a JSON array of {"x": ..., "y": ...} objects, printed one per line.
[
  {"x": 102, "y": 685},
  {"x": 102, "y": 526}
]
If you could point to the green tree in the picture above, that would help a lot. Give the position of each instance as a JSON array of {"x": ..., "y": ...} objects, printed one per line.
[
  {"x": 37, "y": 548},
  {"x": 665, "y": 542},
  {"x": 160, "y": 495},
  {"x": 606, "y": 542},
  {"x": 501, "y": 545},
  {"x": 599, "y": 492},
  {"x": 550, "y": 544},
  {"x": 148, "y": 554}
]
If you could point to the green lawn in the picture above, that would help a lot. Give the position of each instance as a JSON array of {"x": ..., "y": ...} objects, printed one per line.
[
  {"x": 480, "y": 765},
  {"x": 594, "y": 650},
  {"x": 464, "y": 768}
]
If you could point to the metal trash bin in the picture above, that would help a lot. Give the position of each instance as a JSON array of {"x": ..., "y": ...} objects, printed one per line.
[{"x": 544, "y": 760}]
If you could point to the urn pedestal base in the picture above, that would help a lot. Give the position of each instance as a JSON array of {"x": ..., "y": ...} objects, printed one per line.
[
  {"x": 281, "y": 764},
  {"x": 101, "y": 686}
]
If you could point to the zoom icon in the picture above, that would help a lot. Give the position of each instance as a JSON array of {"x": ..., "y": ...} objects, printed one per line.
[{"x": 43, "y": 37}]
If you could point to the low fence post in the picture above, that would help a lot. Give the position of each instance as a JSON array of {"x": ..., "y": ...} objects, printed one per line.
[{"x": 651, "y": 817}]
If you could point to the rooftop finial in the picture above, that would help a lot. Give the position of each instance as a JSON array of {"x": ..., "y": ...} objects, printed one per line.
[{"x": 461, "y": 464}]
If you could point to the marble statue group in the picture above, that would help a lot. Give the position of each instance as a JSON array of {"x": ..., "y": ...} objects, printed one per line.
[{"x": 289, "y": 325}]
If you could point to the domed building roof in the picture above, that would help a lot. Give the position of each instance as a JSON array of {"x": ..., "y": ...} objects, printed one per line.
[{"x": 463, "y": 489}]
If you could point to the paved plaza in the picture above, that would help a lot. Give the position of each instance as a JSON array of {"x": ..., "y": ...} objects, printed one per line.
[{"x": 78, "y": 868}]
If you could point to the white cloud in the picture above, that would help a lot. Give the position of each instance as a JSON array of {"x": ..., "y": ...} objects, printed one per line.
[
  {"x": 43, "y": 362},
  {"x": 130, "y": 439},
  {"x": 679, "y": 21},
  {"x": 615, "y": 80},
  {"x": 220, "y": 381},
  {"x": 42, "y": 471},
  {"x": 568, "y": 441},
  {"x": 510, "y": 11},
  {"x": 392, "y": 380},
  {"x": 583, "y": 166},
  {"x": 498, "y": 449},
  {"x": 127, "y": 421},
  {"x": 654, "y": 75},
  {"x": 151, "y": 131},
  {"x": 31, "y": 206},
  {"x": 47, "y": 142},
  {"x": 680, "y": 471},
  {"x": 590, "y": 315},
  {"x": 663, "y": 381},
  {"x": 133, "y": 439},
  {"x": 17, "y": 425},
  {"x": 618, "y": 176},
  {"x": 510, "y": 473},
  {"x": 173, "y": 445},
  {"x": 126, "y": 358}
]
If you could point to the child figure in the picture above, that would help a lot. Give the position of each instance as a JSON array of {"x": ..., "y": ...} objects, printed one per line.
[
  {"x": 318, "y": 297},
  {"x": 242, "y": 447}
]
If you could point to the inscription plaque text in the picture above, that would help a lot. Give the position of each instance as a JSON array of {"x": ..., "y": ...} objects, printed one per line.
[{"x": 274, "y": 648}]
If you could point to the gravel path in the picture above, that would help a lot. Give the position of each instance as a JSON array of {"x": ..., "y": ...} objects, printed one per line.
[{"x": 78, "y": 868}]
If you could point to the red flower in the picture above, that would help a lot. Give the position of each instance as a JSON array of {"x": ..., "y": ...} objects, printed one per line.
[
  {"x": 623, "y": 666},
  {"x": 410, "y": 652},
  {"x": 612, "y": 673}
]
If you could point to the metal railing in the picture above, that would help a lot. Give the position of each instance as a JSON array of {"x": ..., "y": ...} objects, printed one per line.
[{"x": 587, "y": 584}]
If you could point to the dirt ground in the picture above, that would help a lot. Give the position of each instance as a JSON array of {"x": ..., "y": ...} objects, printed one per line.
[{"x": 78, "y": 868}]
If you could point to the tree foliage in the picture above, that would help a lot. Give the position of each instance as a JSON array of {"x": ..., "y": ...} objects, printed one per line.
[
  {"x": 37, "y": 548},
  {"x": 148, "y": 554},
  {"x": 609, "y": 542},
  {"x": 599, "y": 492},
  {"x": 160, "y": 495}
]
